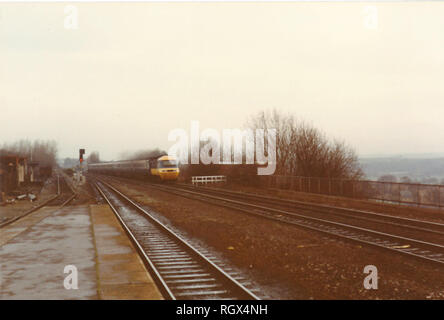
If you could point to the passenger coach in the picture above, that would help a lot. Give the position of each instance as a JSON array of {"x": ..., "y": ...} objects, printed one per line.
[{"x": 165, "y": 168}]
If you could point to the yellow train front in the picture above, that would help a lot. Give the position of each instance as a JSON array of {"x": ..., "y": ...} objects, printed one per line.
[{"x": 166, "y": 168}]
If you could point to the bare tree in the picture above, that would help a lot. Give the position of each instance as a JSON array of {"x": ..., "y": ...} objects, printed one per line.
[
  {"x": 94, "y": 157},
  {"x": 43, "y": 152},
  {"x": 284, "y": 126},
  {"x": 142, "y": 154},
  {"x": 304, "y": 150},
  {"x": 343, "y": 162}
]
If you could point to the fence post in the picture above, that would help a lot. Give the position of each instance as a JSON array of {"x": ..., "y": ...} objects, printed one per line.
[
  {"x": 418, "y": 200},
  {"x": 383, "y": 192},
  {"x": 319, "y": 185},
  {"x": 353, "y": 188},
  {"x": 399, "y": 194},
  {"x": 439, "y": 197}
]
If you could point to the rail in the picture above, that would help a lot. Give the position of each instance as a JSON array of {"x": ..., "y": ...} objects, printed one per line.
[
  {"x": 420, "y": 249},
  {"x": 181, "y": 270}
]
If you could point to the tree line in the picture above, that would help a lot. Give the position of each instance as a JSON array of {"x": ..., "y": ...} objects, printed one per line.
[
  {"x": 43, "y": 152},
  {"x": 303, "y": 150}
]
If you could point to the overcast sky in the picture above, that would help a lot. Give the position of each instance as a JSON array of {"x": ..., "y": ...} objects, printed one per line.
[{"x": 133, "y": 72}]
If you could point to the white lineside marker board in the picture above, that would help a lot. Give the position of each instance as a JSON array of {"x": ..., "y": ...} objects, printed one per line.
[{"x": 207, "y": 179}]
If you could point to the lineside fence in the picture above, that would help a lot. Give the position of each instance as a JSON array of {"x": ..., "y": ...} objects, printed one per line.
[
  {"x": 425, "y": 195},
  {"x": 196, "y": 180}
]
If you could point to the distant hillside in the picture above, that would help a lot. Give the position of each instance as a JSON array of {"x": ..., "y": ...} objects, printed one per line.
[{"x": 416, "y": 168}]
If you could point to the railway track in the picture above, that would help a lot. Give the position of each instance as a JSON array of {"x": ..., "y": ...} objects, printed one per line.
[
  {"x": 65, "y": 194},
  {"x": 423, "y": 250},
  {"x": 367, "y": 216},
  {"x": 180, "y": 270}
]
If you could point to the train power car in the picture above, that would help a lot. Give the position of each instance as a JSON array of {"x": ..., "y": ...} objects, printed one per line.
[{"x": 164, "y": 168}]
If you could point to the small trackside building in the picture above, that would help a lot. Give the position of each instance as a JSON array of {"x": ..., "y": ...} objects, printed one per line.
[{"x": 13, "y": 173}]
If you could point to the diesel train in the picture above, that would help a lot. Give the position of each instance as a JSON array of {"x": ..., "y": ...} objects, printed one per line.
[{"x": 164, "y": 168}]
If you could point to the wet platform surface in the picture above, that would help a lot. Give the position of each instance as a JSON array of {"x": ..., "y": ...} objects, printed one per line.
[
  {"x": 35, "y": 250},
  {"x": 33, "y": 261},
  {"x": 121, "y": 273}
]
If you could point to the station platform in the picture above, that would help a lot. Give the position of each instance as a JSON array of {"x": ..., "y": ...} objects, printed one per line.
[{"x": 38, "y": 251}]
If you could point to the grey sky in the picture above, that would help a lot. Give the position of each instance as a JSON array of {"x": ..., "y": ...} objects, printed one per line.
[{"x": 133, "y": 72}]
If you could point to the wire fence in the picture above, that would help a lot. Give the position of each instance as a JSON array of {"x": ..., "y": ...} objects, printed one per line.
[{"x": 425, "y": 195}]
